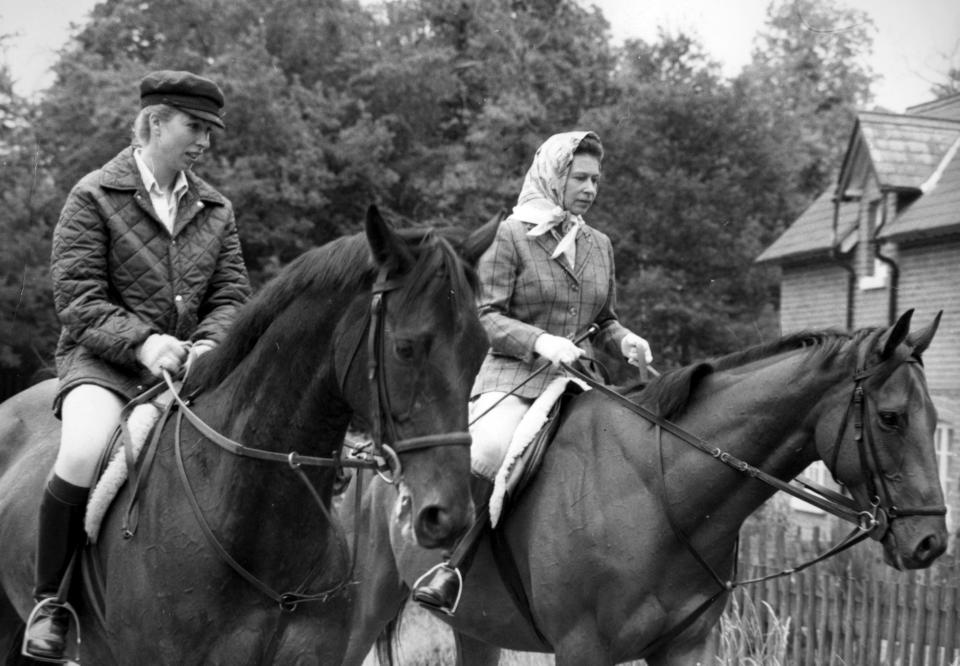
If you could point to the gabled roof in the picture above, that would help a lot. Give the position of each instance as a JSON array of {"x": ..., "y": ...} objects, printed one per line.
[
  {"x": 812, "y": 234},
  {"x": 917, "y": 155},
  {"x": 944, "y": 107},
  {"x": 904, "y": 150},
  {"x": 935, "y": 213}
]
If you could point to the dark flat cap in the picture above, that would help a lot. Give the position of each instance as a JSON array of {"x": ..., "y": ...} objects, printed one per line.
[{"x": 188, "y": 92}]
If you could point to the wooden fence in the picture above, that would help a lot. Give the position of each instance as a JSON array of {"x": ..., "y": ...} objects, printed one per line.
[{"x": 852, "y": 609}]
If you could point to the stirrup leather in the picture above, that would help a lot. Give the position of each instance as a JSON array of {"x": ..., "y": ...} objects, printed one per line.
[
  {"x": 436, "y": 567},
  {"x": 53, "y": 603}
]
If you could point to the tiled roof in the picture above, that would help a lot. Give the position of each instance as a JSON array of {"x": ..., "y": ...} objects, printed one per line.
[
  {"x": 934, "y": 213},
  {"x": 910, "y": 153},
  {"x": 905, "y": 150},
  {"x": 812, "y": 233}
]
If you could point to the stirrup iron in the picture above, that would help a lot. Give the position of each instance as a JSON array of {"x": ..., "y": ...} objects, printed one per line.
[
  {"x": 67, "y": 657},
  {"x": 436, "y": 567}
]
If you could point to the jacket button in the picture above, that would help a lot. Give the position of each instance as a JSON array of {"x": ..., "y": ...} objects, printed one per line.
[{"x": 573, "y": 311}]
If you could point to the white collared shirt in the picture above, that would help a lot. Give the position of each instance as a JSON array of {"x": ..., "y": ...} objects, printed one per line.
[{"x": 165, "y": 205}]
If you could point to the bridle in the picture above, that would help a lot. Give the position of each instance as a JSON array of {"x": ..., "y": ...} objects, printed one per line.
[
  {"x": 874, "y": 521},
  {"x": 885, "y": 510},
  {"x": 387, "y": 446},
  {"x": 387, "y": 443}
]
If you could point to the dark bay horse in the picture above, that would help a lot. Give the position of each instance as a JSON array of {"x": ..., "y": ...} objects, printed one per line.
[
  {"x": 599, "y": 536},
  {"x": 379, "y": 329}
]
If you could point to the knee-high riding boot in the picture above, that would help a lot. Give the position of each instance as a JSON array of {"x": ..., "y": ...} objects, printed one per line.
[
  {"x": 60, "y": 534},
  {"x": 440, "y": 589}
]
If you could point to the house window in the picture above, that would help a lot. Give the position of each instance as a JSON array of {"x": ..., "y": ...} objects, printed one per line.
[
  {"x": 877, "y": 278},
  {"x": 874, "y": 273},
  {"x": 818, "y": 474}
]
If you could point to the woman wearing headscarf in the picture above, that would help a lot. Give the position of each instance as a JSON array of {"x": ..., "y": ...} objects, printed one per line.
[{"x": 546, "y": 278}]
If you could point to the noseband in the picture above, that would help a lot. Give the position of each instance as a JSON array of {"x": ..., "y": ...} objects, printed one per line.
[
  {"x": 387, "y": 443},
  {"x": 883, "y": 508},
  {"x": 385, "y": 459},
  {"x": 874, "y": 521}
]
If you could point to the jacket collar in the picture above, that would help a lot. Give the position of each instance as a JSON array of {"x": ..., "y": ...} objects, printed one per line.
[
  {"x": 585, "y": 250},
  {"x": 121, "y": 173}
]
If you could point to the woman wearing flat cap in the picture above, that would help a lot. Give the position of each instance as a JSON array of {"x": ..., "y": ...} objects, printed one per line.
[{"x": 147, "y": 275}]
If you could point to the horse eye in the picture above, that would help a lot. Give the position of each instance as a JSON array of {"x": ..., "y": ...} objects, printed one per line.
[
  {"x": 405, "y": 350},
  {"x": 889, "y": 419}
]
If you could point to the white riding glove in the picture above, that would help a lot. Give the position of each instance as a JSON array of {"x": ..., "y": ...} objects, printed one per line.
[
  {"x": 636, "y": 350},
  {"x": 162, "y": 352},
  {"x": 556, "y": 349}
]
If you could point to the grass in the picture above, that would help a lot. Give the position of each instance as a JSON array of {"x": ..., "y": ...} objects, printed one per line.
[{"x": 749, "y": 636}]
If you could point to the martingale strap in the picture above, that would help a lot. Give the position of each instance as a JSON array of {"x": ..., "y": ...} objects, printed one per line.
[
  {"x": 864, "y": 522},
  {"x": 291, "y": 458},
  {"x": 844, "y": 508}
]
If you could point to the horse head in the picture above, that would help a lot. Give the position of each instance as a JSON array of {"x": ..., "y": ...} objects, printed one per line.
[
  {"x": 424, "y": 345},
  {"x": 878, "y": 441}
]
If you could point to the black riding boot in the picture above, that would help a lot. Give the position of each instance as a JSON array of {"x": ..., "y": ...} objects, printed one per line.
[
  {"x": 60, "y": 534},
  {"x": 439, "y": 589}
]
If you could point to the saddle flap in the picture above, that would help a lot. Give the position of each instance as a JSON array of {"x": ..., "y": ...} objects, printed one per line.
[{"x": 519, "y": 468}]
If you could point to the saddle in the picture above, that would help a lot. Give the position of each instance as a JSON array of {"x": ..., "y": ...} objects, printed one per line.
[
  {"x": 515, "y": 475},
  {"x": 126, "y": 454},
  {"x": 530, "y": 442}
]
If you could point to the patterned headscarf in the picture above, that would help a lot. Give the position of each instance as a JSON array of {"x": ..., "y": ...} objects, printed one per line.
[{"x": 541, "y": 198}]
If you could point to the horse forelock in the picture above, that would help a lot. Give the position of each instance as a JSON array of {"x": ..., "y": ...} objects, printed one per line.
[{"x": 438, "y": 276}]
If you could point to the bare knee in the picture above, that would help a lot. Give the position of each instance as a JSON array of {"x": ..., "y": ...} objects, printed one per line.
[{"x": 90, "y": 414}]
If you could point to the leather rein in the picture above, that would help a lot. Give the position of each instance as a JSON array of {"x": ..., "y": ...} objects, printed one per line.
[
  {"x": 874, "y": 521},
  {"x": 384, "y": 458}
]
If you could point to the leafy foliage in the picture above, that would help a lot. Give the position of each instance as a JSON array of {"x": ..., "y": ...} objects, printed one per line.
[{"x": 433, "y": 109}]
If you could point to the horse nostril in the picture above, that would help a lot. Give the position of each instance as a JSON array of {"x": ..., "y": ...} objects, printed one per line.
[
  {"x": 929, "y": 548},
  {"x": 434, "y": 526}
]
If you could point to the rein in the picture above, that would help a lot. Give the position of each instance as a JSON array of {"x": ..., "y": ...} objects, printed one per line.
[
  {"x": 865, "y": 522},
  {"x": 384, "y": 459}
]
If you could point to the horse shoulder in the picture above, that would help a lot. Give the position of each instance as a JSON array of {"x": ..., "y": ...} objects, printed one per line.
[{"x": 27, "y": 423}]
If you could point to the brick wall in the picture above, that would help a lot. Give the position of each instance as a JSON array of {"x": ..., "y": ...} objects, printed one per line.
[
  {"x": 930, "y": 281},
  {"x": 813, "y": 297}
]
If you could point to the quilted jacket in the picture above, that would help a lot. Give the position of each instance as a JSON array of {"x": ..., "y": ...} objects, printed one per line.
[
  {"x": 119, "y": 275},
  {"x": 525, "y": 292}
]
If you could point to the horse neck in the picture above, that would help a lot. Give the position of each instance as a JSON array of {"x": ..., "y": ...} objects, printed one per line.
[
  {"x": 285, "y": 395},
  {"x": 282, "y": 397},
  {"x": 764, "y": 416}
]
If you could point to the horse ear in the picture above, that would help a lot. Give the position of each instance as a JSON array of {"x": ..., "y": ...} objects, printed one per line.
[
  {"x": 479, "y": 240},
  {"x": 386, "y": 245},
  {"x": 921, "y": 339},
  {"x": 895, "y": 335}
]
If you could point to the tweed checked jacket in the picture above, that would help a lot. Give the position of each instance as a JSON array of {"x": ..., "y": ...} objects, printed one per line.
[
  {"x": 119, "y": 275},
  {"x": 525, "y": 293}
]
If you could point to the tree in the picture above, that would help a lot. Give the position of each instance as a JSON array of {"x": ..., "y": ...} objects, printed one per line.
[
  {"x": 950, "y": 85},
  {"x": 689, "y": 193},
  {"x": 808, "y": 77},
  {"x": 28, "y": 324}
]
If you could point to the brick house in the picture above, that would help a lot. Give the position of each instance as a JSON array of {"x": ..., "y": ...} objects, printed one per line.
[{"x": 884, "y": 239}]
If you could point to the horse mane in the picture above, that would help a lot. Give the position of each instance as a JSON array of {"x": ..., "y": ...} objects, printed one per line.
[
  {"x": 344, "y": 265},
  {"x": 670, "y": 394}
]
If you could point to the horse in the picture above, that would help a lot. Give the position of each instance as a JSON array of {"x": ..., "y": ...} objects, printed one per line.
[
  {"x": 234, "y": 554},
  {"x": 624, "y": 542}
]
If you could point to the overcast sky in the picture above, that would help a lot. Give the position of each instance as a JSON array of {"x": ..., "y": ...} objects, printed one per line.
[{"x": 914, "y": 43}]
